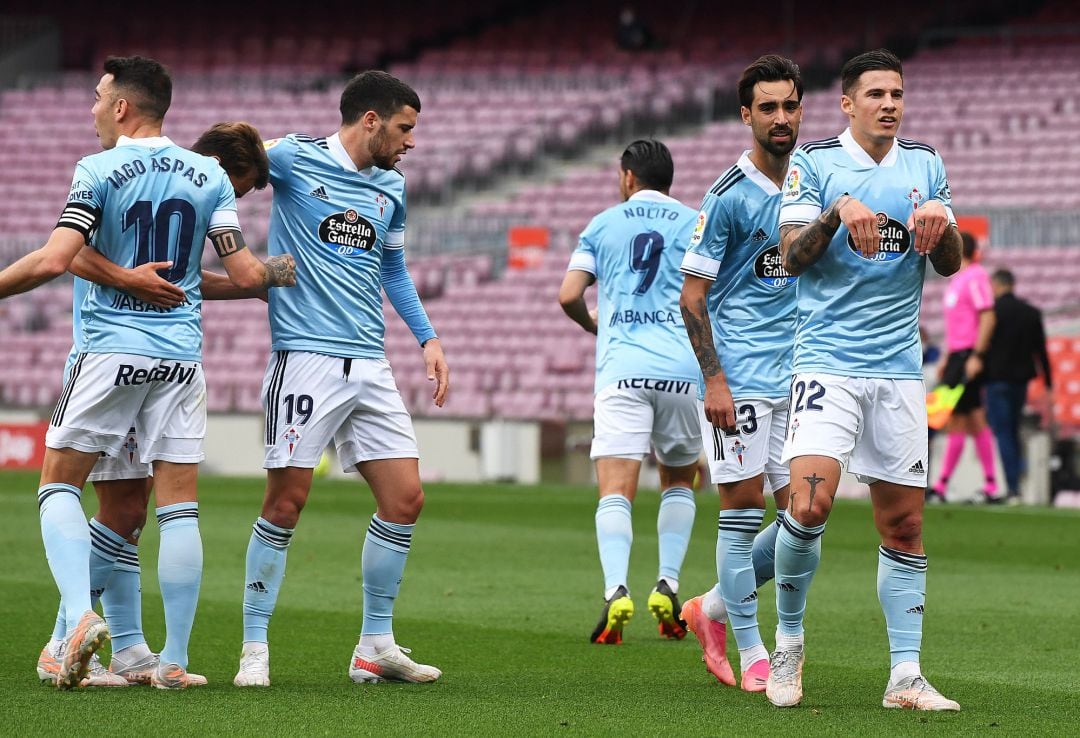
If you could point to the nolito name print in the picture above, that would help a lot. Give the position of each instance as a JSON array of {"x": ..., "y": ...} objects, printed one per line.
[
  {"x": 177, "y": 373},
  {"x": 676, "y": 386}
]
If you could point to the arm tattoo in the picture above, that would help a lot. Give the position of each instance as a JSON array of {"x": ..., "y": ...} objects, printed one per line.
[
  {"x": 699, "y": 330},
  {"x": 812, "y": 239},
  {"x": 814, "y": 481},
  {"x": 946, "y": 255},
  {"x": 228, "y": 242},
  {"x": 279, "y": 271}
]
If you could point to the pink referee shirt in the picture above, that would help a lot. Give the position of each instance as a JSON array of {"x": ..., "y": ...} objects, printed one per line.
[{"x": 967, "y": 295}]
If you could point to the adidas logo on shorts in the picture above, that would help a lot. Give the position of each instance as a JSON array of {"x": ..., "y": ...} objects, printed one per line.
[{"x": 917, "y": 468}]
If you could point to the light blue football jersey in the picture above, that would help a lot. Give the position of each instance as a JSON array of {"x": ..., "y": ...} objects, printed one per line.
[
  {"x": 736, "y": 244},
  {"x": 336, "y": 222},
  {"x": 146, "y": 200},
  {"x": 634, "y": 251},
  {"x": 860, "y": 317}
]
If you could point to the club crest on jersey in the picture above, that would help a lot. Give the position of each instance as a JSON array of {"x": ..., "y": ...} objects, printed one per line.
[
  {"x": 792, "y": 185},
  {"x": 769, "y": 268},
  {"x": 699, "y": 228},
  {"x": 292, "y": 436},
  {"x": 131, "y": 446},
  {"x": 382, "y": 201},
  {"x": 348, "y": 232},
  {"x": 915, "y": 196},
  {"x": 737, "y": 448},
  {"x": 895, "y": 240}
]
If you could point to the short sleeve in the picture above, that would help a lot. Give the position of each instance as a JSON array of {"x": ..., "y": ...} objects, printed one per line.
[
  {"x": 282, "y": 153},
  {"x": 224, "y": 215},
  {"x": 395, "y": 232},
  {"x": 800, "y": 200},
  {"x": 85, "y": 201},
  {"x": 709, "y": 240},
  {"x": 940, "y": 184},
  {"x": 584, "y": 257}
]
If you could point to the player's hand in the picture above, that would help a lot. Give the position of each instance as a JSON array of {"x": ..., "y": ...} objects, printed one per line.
[
  {"x": 973, "y": 367},
  {"x": 281, "y": 271},
  {"x": 862, "y": 223},
  {"x": 928, "y": 222},
  {"x": 719, "y": 406},
  {"x": 437, "y": 370},
  {"x": 144, "y": 283},
  {"x": 595, "y": 315}
]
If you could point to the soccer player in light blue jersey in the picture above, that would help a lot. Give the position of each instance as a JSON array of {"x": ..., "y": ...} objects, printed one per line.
[
  {"x": 339, "y": 209},
  {"x": 738, "y": 302},
  {"x": 860, "y": 212},
  {"x": 645, "y": 377},
  {"x": 122, "y": 483},
  {"x": 142, "y": 200}
]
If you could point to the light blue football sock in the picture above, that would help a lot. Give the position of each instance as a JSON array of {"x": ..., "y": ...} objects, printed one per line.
[
  {"x": 901, "y": 585},
  {"x": 180, "y": 564},
  {"x": 614, "y": 536},
  {"x": 66, "y": 535},
  {"x": 265, "y": 569},
  {"x": 122, "y": 600},
  {"x": 105, "y": 546},
  {"x": 798, "y": 553},
  {"x": 735, "y": 572},
  {"x": 386, "y": 548},
  {"x": 764, "y": 554},
  {"x": 674, "y": 523}
]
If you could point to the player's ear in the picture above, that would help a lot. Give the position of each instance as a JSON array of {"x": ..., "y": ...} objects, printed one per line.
[
  {"x": 745, "y": 112},
  {"x": 847, "y": 104},
  {"x": 370, "y": 120}
]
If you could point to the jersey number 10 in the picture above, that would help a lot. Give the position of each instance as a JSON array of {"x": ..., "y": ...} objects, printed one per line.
[{"x": 154, "y": 233}]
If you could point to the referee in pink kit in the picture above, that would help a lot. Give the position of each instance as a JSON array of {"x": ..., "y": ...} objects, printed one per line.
[{"x": 969, "y": 324}]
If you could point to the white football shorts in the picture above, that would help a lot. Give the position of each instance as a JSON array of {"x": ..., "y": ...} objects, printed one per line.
[
  {"x": 311, "y": 399},
  {"x": 107, "y": 394},
  {"x": 756, "y": 446},
  {"x": 875, "y": 427},
  {"x": 630, "y": 413},
  {"x": 126, "y": 465}
]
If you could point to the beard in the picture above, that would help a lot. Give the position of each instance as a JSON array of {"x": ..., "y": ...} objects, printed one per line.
[
  {"x": 778, "y": 149},
  {"x": 382, "y": 152}
]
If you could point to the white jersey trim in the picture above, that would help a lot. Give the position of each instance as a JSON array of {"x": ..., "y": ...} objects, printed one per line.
[
  {"x": 394, "y": 240},
  {"x": 700, "y": 266},
  {"x": 798, "y": 213},
  {"x": 341, "y": 156},
  {"x": 858, "y": 153},
  {"x": 652, "y": 196},
  {"x": 582, "y": 262},
  {"x": 755, "y": 175},
  {"x": 153, "y": 142},
  {"x": 224, "y": 219}
]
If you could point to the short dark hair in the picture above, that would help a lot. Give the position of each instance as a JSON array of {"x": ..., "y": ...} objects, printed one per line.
[
  {"x": 145, "y": 79},
  {"x": 1004, "y": 277},
  {"x": 651, "y": 163},
  {"x": 870, "y": 61},
  {"x": 970, "y": 245},
  {"x": 768, "y": 68},
  {"x": 240, "y": 149},
  {"x": 378, "y": 91}
]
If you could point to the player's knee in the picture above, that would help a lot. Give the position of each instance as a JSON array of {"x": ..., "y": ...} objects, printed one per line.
[
  {"x": 406, "y": 506},
  {"x": 903, "y": 533},
  {"x": 284, "y": 510}
]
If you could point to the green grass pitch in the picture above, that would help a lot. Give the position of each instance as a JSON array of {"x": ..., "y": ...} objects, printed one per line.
[{"x": 501, "y": 591}]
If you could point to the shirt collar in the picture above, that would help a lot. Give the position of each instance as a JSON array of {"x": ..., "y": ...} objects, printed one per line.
[
  {"x": 341, "y": 156},
  {"x": 651, "y": 196},
  {"x": 755, "y": 175},
  {"x": 152, "y": 142},
  {"x": 859, "y": 154}
]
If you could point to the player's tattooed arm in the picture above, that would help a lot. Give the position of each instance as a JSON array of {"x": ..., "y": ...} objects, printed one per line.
[
  {"x": 802, "y": 246},
  {"x": 946, "y": 255},
  {"x": 280, "y": 271},
  {"x": 699, "y": 330}
]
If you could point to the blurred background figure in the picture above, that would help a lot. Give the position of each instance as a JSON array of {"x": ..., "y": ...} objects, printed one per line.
[
  {"x": 1017, "y": 344},
  {"x": 632, "y": 34},
  {"x": 969, "y": 323}
]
